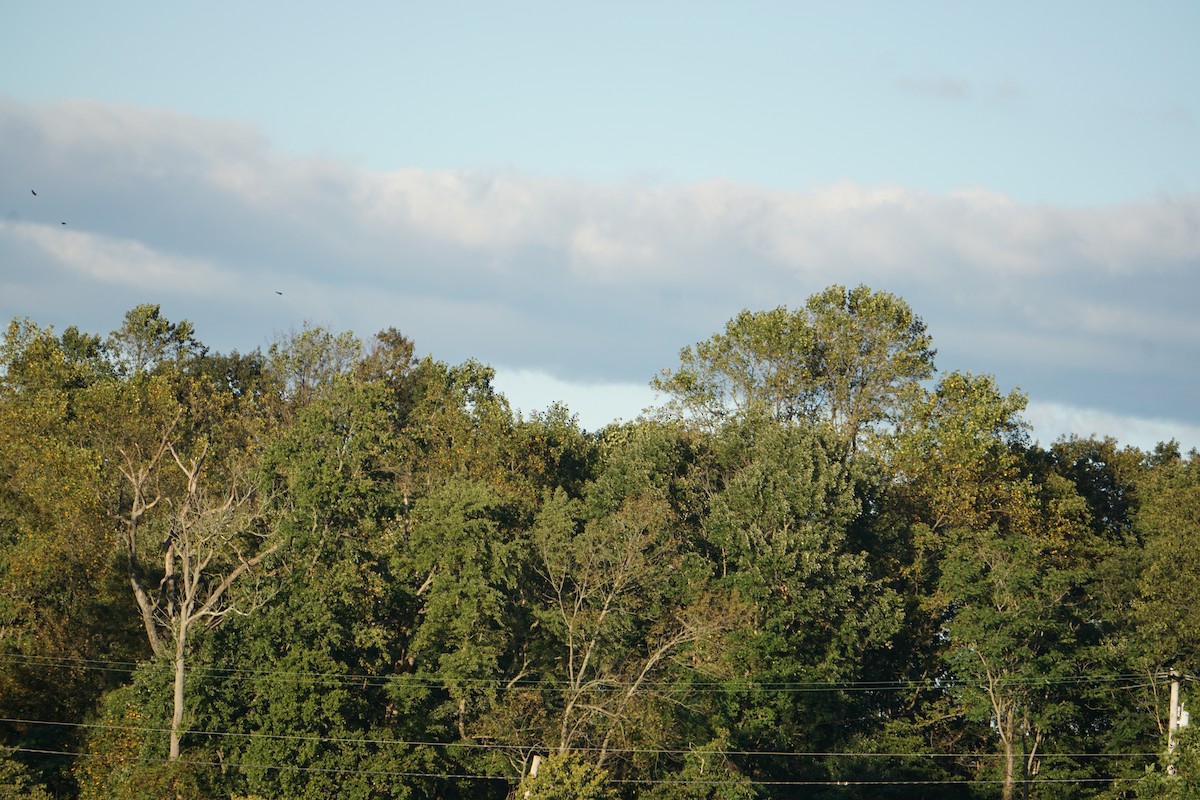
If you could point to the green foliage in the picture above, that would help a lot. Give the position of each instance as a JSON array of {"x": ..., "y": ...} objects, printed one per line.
[
  {"x": 872, "y": 351},
  {"x": 126, "y": 737},
  {"x": 309, "y": 360},
  {"x": 566, "y": 777},
  {"x": 61, "y": 604},
  {"x": 335, "y": 466},
  {"x": 761, "y": 360},
  {"x": 955, "y": 454},
  {"x": 1178, "y": 778},
  {"x": 464, "y": 551},
  {"x": 1105, "y": 476},
  {"x": 459, "y": 427},
  {"x": 1169, "y": 524},
  {"x": 1017, "y": 617},
  {"x": 16, "y": 782},
  {"x": 553, "y": 452},
  {"x": 147, "y": 340},
  {"x": 34, "y": 359},
  {"x": 707, "y": 774},
  {"x": 176, "y": 780},
  {"x": 781, "y": 501},
  {"x": 809, "y": 551},
  {"x": 848, "y": 358}
]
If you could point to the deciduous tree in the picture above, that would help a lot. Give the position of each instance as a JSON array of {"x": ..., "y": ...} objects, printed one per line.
[
  {"x": 184, "y": 492},
  {"x": 849, "y": 358}
]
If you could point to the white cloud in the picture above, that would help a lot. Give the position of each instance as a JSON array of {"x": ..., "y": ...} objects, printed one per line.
[
  {"x": 598, "y": 404},
  {"x": 1052, "y": 421},
  {"x": 590, "y": 282},
  {"x": 121, "y": 262},
  {"x": 599, "y": 251},
  {"x": 471, "y": 210}
]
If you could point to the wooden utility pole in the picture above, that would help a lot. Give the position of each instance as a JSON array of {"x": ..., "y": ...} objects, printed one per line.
[
  {"x": 1173, "y": 715},
  {"x": 1177, "y": 718}
]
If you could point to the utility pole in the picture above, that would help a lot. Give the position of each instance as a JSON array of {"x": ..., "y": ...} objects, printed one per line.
[
  {"x": 1173, "y": 714},
  {"x": 1177, "y": 718},
  {"x": 533, "y": 770}
]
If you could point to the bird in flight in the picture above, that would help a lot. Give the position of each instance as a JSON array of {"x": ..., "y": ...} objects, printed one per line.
[
  {"x": 35, "y": 194},
  {"x": 278, "y": 292}
]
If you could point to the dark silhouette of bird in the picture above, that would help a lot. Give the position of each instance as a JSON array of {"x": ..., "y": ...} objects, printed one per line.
[
  {"x": 278, "y": 292},
  {"x": 34, "y": 193},
  {"x": 62, "y": 223}
]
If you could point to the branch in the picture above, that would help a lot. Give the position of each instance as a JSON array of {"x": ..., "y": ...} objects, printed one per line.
[
  {"x": 424, "y": 587},
  {"x": 241, "y": 569}
]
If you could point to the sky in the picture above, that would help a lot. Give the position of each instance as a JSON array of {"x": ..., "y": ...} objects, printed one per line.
[{"x": 572, "y": 193}]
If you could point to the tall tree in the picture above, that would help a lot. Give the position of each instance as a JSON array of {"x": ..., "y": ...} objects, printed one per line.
[
  {"x": 1013, "y": 641},
  {"x": 344, "y": 603},
  {"x": 871, "y": 353},
  {"x": 849, "y": 358},
  {"x": 1163, "y": 634},
  {"x": 465, "y": 550},
  {"x": 147, "y": 339},
  {"x": 618, "y": 618},
  {"x": 183, "y": 497},
  {"x": 307, "y": 361},
  {"x": 762, "y": 359},
  {"x": 781, "y": 502},
  {"x": 59, "y": 608},
  {"x": 998, "y": 575},
  {"x": 625, "y": 609}
]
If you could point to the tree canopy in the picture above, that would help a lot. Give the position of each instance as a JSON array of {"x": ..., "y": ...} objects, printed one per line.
[{"x": 338, "y": 568}]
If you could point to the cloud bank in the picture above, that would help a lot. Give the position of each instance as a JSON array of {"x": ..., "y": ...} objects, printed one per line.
[{"x": 1091, "y": 307}]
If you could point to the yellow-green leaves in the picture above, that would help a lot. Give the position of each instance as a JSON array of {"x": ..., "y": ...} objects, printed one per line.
[{"x": 849, "y": 359}]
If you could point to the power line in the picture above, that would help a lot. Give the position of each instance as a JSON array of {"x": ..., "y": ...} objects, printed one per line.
[
  {"x": 526, "y": 747},
  {"x": 639, "y": 781},
  {"x": 293, "y": 767},
  {"x": 732, "y": 685}
]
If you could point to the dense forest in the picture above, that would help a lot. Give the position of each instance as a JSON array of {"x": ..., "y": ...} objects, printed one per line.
[{"x": 820, "y": 569}]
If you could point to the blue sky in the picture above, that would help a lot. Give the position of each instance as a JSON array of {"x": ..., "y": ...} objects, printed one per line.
[
  {"x": 1075, "y": 102},
  {"x": 574, "y": 192}
]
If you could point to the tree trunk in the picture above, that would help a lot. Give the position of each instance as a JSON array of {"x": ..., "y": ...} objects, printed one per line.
[
  {"x": 177, "y": 710},
  {"x": 1010, "y": 764},
  {"x": 1006, "y": 727}
]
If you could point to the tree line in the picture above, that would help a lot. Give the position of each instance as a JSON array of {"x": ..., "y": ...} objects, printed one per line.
[{"x": 820, "y": 568}]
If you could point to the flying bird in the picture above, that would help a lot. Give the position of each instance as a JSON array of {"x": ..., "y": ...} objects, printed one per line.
[
  {"x": 278, "y": 292},
  {"x": 34, "y": 193}
]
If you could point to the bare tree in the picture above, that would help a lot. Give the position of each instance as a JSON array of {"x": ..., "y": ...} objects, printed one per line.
[{"x": 212, "y": 542}]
